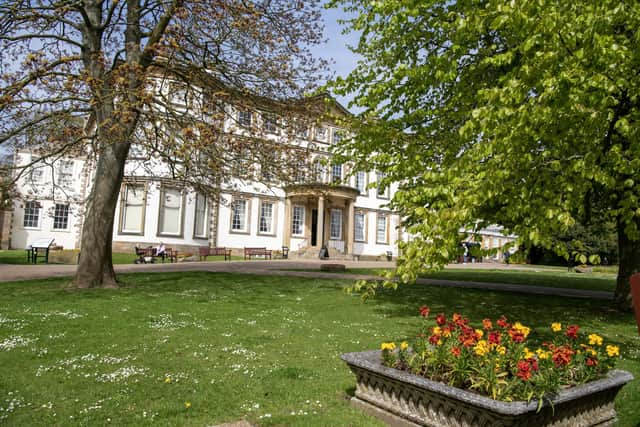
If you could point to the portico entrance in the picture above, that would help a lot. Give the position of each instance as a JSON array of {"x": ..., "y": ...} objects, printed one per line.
[{"x": 317, "y": 215}]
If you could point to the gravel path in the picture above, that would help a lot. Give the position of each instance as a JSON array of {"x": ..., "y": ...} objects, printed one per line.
[{"x": 283, "y": 268}]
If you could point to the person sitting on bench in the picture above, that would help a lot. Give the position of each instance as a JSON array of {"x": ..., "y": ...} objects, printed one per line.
[{"x": 160, "y": 251}]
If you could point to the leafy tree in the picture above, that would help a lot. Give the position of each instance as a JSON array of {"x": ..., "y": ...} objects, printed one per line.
[
  {"x": 521, "y": 113},
  {"x": 101, "y": 76},
  {"x": 593, "y": 239}
]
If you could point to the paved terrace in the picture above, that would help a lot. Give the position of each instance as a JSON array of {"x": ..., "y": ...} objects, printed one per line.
[{"x": 9, "y": 272}]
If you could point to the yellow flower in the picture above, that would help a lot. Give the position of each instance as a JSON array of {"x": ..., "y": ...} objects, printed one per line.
[
  {"x": 388, "y": 346},
  {"x": 592, "y": 352},
  {"x": 479, "y": 333},
  {"x": 167, "y": 380},
  {"x": 187, "y": 405},
  {"x": 404, "y": 345},
  {"x": 542, "y": 354},
  {"x": 522, "y": 329},
  {"x": 437, "y": 330},
  {"x": 500, "y": 349},
  {"x": 556, "y": 327},
  {"x": 528, "y": 354},
  {"x": 613, "y": 350},
  {"x": 595, "y": 339},
  {"x": 481, "y": 348},
  {"x": 446, "y": 333}
]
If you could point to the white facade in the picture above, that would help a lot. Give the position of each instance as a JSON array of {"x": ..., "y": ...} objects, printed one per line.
[
  {"x": 51, "y": 203},
  {"x": 332, "y": 209}
]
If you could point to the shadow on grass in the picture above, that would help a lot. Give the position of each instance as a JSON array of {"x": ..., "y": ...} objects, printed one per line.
[
  {"x": 537, "y": 311},
  {"x": 350, "y": 392}
]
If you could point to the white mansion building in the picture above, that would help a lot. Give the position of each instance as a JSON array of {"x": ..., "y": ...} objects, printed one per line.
[{"x": 344, "y": 211}]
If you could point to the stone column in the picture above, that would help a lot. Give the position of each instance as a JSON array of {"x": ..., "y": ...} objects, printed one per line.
[
  {"x": 320, "y": 230},
  {"x": 351, "y": 213},
  {"x": 286, "y": 240}
]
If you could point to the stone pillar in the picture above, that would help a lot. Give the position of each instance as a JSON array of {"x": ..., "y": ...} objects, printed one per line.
[
  {"x": 286, "y": 241},
  {"x": 351, "y": 213},
  {"x": 320, "y": 230},
  {"x": 214, "y": 208}
]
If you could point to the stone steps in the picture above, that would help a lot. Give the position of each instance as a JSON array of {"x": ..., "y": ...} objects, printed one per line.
[{"x": 312, "y": 253}]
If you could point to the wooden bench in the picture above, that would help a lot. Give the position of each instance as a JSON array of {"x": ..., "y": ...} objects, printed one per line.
[
  {"x": 218, "y": 251},
  {"x": 149, "y": 255},
  {"x": 249, "y": 252},
  {"x": 145, "y": 255},
  {"x": 170, "y": 254}
]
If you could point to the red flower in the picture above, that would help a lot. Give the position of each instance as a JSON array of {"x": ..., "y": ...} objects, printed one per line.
[
  {"x": 456, "y": 351},
  {"x": 441, "y": 319},
  {"x": 434, "y": 339},
  {"x": 592, "y": 362},
  {"x": 494, "y": 337},
  {"x": 424, "y": 311},
  {"x": 516, "y": 335},
  {"x": 524, "y": 370},
  {"x": 467, "y": 329},
  {"x": 486, "y": 324},
  {"x": 572, "y": 331},
  {"x": 468, "y": 337},
  {"x": 502, "y": 322}
]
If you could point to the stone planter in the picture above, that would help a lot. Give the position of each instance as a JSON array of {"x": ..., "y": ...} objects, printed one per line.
[{"x": 403, "y": 399}]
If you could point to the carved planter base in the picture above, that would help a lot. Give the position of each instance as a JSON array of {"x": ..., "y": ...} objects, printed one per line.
[{"x": 403, "y": 399}]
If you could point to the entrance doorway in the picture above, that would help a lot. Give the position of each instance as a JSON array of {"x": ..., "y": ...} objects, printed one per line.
[{"x": 314, "y": 227}]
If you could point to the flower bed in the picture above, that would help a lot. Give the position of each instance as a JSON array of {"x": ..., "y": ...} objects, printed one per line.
[
  {"x": 499, "y": 359},
  {"x": 497, "y": 374}
]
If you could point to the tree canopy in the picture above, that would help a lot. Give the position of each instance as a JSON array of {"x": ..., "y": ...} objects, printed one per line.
[
  {"x": 519, "y": 113},
  {"x": 101, "y": 76}
]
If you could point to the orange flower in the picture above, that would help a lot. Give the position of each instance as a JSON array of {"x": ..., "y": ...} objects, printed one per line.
[
  {"x": 561, "y": 355},
  {"x": 486, "y": 324}
]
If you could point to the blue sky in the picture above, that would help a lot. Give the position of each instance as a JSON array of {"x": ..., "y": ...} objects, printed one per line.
[{"x": 335, "y": 49}]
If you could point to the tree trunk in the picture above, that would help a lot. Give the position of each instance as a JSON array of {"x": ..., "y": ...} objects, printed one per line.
[
  {"x": 629, "y": 255},
  {"x": 95, "y": 267}
]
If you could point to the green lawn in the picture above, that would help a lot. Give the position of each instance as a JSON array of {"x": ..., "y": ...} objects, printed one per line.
[
  {"x": 13, "y": 256},
  {"x": 233, "y": 346},
  {"x": 558, "y": 278}
]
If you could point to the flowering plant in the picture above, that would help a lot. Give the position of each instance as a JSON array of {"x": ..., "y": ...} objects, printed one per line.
[{"x": 500, "y": 359}]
